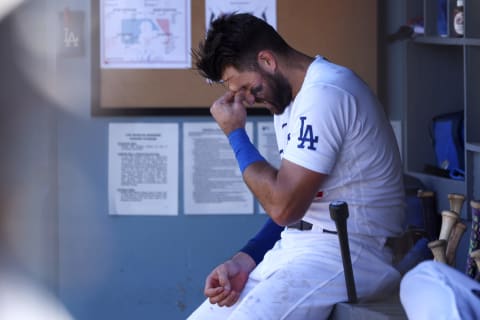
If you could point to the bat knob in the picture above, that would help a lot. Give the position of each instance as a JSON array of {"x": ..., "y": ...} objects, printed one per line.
[{"x": 338, "y": 210}]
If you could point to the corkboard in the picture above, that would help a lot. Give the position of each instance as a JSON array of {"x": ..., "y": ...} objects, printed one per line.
[{"x": 344, "y": 31}]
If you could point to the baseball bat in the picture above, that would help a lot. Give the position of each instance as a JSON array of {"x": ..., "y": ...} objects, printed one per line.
[
  {"x": 438, "y": 250},
  {"x": 339, "y": 214},
  {"x": 474, "y": 238},
  {"x": 453, "y": 241},
  {"x": 431, "y": 219},
  {"x": 456, "y": 202},
  {"x": 475, "y": 255},
  {"x": 449, "y": 219}
]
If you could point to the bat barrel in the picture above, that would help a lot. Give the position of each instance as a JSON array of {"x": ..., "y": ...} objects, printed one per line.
[
  {"x": 453, "y": 241},
  {"x": 475, "y": 256},
  {"x": 339, "y": 214},
  {"x": 431, "y": 220},
  {"x": 474, "y": 238}
]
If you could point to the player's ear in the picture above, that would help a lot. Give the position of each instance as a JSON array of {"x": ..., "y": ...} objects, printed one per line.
[{"x": 267, "y": 61}]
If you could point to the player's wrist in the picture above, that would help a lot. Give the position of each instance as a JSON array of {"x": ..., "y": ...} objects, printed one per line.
[
  {"x": 245, "y": 151},
  {"x": 244, "y": 261}
]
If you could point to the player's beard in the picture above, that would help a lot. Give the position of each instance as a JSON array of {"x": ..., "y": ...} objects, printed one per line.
[{"x": 278, "y": 95}]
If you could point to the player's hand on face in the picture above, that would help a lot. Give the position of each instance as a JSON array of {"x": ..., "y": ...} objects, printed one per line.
[
  {"x": 225, "y": 283},
  {"x": 229, "y": 110}
]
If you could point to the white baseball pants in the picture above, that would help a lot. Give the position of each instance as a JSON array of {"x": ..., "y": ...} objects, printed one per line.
[{"x": 302, "y": 278}]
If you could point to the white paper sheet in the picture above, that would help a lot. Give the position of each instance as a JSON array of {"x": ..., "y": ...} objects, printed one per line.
[
  {"x": 212, "y": 183},
  {"x": 143, "y": 168},
  {"x": 265, "y": 9},
  {"x": 267, "y": 145},
  {"x": 151, "y": 34}
]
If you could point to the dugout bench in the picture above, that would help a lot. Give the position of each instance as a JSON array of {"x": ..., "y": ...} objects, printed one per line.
[{"x": 389, "y": 308}]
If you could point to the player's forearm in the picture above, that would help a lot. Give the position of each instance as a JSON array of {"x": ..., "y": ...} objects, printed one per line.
[
  {"x": 283, "y": 193},
  {"x": 275, "y": 196},
  {"x": 259, "y": 176}
]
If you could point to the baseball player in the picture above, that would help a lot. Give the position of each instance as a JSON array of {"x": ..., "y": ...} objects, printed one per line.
[
  {"x": 434, "y": 290},
  {"x": 335, "y": 143}
]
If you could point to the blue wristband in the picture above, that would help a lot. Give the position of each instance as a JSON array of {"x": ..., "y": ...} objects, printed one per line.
[{"x": 244, "y": 150}]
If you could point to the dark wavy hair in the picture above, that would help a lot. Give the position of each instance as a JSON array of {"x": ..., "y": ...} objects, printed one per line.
[{"x": 234, "y": 40}]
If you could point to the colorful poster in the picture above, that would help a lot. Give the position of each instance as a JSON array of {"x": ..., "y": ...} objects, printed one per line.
[{"x": 145, "y": 34}]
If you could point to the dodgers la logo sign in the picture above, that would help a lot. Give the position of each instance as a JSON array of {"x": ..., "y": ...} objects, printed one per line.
[{"x": 306, "y": 136}]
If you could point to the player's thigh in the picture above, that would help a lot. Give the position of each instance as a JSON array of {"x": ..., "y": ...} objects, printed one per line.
[{"x": 294, "y": 292}]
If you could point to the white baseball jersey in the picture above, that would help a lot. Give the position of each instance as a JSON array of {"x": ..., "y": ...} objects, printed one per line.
[{"x": 337, "y": 127}]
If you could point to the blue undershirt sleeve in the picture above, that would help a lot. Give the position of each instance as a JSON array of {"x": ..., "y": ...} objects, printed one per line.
[{"x": 263, "y": 241}]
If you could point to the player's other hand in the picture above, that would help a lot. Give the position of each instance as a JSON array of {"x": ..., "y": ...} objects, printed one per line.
[
  {"x": 229, "y": 110},
  {"x": 225, "y": 283}
]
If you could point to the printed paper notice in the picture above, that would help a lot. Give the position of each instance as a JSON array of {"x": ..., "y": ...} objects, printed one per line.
[
  {"x": 143, "y": 169},
  {"x": 151, "y": 34},
  {"x": 267, "y": 145},
  {"x": 213, "y": 183},
  {"x": 264, "y": 9}
]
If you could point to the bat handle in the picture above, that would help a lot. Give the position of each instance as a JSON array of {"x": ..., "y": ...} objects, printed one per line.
[{"x": 339, "y": 214}]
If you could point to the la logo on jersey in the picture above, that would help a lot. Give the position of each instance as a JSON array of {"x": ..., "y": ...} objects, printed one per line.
[{"x": 306, "y": 135}]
